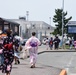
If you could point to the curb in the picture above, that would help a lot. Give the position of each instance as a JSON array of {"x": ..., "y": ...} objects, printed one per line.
[
  {"x": 63, "y": 72},
  {"x": 51, "y": 51}
]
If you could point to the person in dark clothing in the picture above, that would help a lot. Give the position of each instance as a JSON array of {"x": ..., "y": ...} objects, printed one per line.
[
  {"x": 51, "y": 43},
  {"x": 70, "y": 43},
  {"x": 8, "y": 53},
  {"x": 56, "y": 42},
  {"x": 1, "y": 50},
  {"x": 16, "y": 51}
]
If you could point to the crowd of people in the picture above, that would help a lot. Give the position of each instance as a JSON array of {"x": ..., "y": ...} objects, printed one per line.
[
  {"x": 56, "y": 43},
  {"x": 10, "y": 48},
  {"x": 52, "y": 42}
]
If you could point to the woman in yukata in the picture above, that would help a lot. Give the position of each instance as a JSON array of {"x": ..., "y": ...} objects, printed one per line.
[
  {"x": 32, "y": 45},
  {"x": 8, "y": 54}
]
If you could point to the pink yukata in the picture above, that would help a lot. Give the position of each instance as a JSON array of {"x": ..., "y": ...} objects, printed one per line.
[{"x": 32, "y": 50}]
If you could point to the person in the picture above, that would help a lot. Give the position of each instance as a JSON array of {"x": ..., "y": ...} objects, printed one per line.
[
  {"x": 51, "y": 43},
  {"x": 56, "y": 42},
  {"x": 16, "y": 51},
  {"x": 8, "y": 53},
  {"x": 1, "y": 49},
  {"x": 75, "y": 44},
  {"x": 47, "y": 43},
  {"x": 71, "y": 43},
  {"x": 32, "y": 45}
]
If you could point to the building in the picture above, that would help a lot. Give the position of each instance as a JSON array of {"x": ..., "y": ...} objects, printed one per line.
[
  {"x": 71, "y": 28},
  {"x": 8, "y": 24},
  {"x": 41, "y": 28},
  {"x": 25, "y": 28}
]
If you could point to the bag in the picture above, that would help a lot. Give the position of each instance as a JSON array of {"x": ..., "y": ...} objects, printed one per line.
[
  {"x": 8, "y": 46},
  {"x": 33, "y": 43},
  {"x": 1, "y": 51}
]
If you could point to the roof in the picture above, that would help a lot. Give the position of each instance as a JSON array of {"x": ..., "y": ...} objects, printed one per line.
[
  {"x": 33, "y": 22},
  {"x": 71, "y": 23},
  {"x": 9, "y": 21}
]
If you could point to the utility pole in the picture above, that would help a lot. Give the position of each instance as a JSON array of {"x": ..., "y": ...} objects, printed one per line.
[
  {"x": 27, "y": 14},
  {"x": 27, "y": 31},
  {"x": 62, "y": 21},
  {"x": 50, "y": 21}
]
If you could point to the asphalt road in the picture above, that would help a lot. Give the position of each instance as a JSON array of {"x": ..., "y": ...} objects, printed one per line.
[
  {"x": 63, "y": 60},
  {"x": 46, "y": 61}
]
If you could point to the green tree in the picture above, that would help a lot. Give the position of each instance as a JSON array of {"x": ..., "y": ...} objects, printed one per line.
[{"x": 57, "y": 19}]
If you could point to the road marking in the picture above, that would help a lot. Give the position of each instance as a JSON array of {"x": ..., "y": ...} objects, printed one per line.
[{"x": 69, "y": 64}]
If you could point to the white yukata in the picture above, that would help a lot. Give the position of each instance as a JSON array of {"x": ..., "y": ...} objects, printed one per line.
[{"x": 32, "y": 50}]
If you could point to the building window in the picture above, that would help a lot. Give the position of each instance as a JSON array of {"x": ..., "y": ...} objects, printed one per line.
[
  {"x": 6, "y": 27},
  {"x": 33, "y": 26},
  {"x": 48, "y": 27}
]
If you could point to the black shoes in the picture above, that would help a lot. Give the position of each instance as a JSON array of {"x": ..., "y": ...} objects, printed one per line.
[{"x": 17, "y": 62}]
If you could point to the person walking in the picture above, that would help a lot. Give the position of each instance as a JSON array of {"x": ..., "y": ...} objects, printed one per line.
[
  {"x": 8, "y": 53},
  {"x": 16, "y": 51},
  {"x": 56, "y": 42},
  {"x": 32, "y": 45},
  {"x": 47, "y": 43},
  {"x": 70, "y": 43},
  {"x": 51, "y": 43},
  {"x": 1, "y": 50}
]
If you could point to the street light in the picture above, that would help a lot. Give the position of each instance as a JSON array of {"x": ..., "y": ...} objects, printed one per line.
[{"x": 62, "y": 20}]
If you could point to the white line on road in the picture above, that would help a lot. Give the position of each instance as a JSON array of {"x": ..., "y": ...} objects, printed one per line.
[{"x": 69, "y": 64}]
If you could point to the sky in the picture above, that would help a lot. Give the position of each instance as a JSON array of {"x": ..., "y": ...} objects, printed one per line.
[{"x": 39, "y": 10}]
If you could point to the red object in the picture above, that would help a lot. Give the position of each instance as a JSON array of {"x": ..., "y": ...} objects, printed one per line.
[
  {"x": 51, "y": 42},
  {"x": 8, "y": 46}
]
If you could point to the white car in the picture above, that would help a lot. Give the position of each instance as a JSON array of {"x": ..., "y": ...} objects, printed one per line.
[
  {"x": 23, "y": 41},
  {"x": 44, "y": 41}
]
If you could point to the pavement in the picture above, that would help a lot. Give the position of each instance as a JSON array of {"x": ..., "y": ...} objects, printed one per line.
[{"x": 24, "y": 67}]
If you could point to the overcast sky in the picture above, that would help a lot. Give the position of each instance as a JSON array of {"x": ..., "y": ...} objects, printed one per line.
[{"x": 39, "y": 10}]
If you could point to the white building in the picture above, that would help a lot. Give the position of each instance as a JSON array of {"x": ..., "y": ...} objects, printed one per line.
[{"x": 41, "y": 28}]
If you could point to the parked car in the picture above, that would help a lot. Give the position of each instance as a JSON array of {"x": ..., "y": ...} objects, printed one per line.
[
  {"x": 67, "y": 42},
  {"x": 23, "y": 42},
  {"x": 44, "y": 41}
]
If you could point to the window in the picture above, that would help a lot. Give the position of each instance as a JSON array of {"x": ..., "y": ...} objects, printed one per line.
[
  {"x": 33, "y": 26},
  {"x": 48, "y": 27}
]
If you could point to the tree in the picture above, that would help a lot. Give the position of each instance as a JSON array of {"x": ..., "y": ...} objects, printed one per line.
[{"x": 58, "y": 20}]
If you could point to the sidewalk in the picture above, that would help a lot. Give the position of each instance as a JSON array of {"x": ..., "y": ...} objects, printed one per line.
[{"x": 43, "y": 49}]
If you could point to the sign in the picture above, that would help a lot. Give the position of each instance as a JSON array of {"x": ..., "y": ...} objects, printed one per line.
[{"x": 71, "y": 29}]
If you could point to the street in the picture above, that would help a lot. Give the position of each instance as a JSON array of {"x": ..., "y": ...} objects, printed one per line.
[
  {"x": 63, "y": 60},
  {"x": 48, "y": 63}
]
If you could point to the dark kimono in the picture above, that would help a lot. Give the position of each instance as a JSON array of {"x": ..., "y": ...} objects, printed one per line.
[{"x": 8, "y": 56}]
